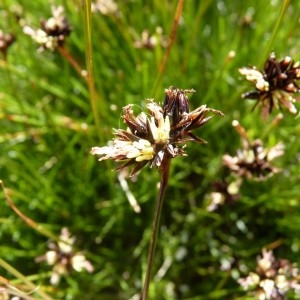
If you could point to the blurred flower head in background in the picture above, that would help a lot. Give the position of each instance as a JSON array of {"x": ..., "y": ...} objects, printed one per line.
[
  {"x": 272, "y": 279},
  {"x": 53, "y": 32},
  {"x": 150, "y": 41},
  {"x": 105, "y": 7},
  {"x": 63, "y": 258},
  {"x": 253, "y": 160},
  {"x": 275, "y": 85},
  {"x": 6, "y": 40},
  {"x": 223, "y": 193}
]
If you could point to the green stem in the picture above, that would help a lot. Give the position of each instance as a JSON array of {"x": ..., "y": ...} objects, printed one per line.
[
  {"x": 165, "y": 172},
  {"x": 26, "y": 219},
  {"x": 89, "y": 65},
  {"x": 162, "y": 67},
  {"x": 64, "y": 52},
  {"x": 284, "y": 6}
]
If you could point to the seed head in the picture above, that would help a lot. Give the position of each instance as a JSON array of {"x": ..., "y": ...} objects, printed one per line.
[
  {"x": 63, "y": 258},
  {"x": 153, "y": 137},
  {"x": 272, "y": 279},
  {"x": 275, "y": 85},
  {"x": 53, "y": 32},
  {"x": 105, "y": 7},
  {"x": 151, "y": 41},
  {"x": 223, "y": 194},
  {"x": 253, "y": 161}
]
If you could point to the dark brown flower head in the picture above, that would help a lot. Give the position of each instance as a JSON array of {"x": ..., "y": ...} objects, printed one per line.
[
  {"x": 6, "y": 40},
  {"x": 157, "y": 136},
  {"x": 57, "y": 25},
  {"x": 176, "y": 104},
  {"x": 272, "y": 279},
  {"x": 63, "y": 258},
  {"x": 253, "y": 160},
  {"x": 53, "y": 31},
  {"x": 275, "y": 86},
  {"x": 176, "y": 108}
]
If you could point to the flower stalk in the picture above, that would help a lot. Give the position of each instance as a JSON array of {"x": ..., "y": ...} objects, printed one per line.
[{"x": 165, "y": 172}]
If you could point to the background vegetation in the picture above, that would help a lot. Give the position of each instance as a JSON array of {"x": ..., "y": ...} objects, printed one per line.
[{"x": 47, "y": 127}]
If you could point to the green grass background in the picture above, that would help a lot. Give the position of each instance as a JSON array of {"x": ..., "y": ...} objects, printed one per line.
[{"x": 47, "y": 127}]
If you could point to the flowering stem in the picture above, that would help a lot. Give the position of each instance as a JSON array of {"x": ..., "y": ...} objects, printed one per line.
[
  {"x": 28, "y": 283},
  {"x": 94, "y": 97},
  {"x": 165, "y": 171},
  {"x": 26, "y": 219},
  {"x": 64, "y": 52},
  {"x": 162, "y": 67},
  {"x": 283, "y": 9}
]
